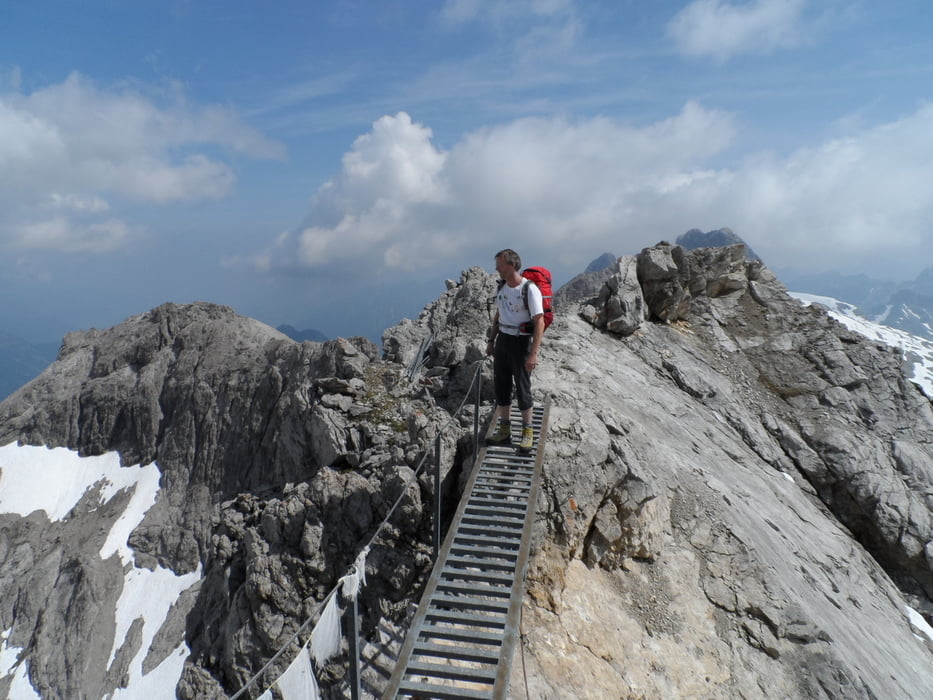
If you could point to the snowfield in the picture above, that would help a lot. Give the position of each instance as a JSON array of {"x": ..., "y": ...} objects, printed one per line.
[{"x": 26, "y": 474}]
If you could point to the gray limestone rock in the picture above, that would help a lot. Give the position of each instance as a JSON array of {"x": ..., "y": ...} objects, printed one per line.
[
  {"x": 620, "y": 304},
  {"x": 227, "y": 408},
  {"x": 737, "y": 501},
  {"x": 665, "y": 289}
]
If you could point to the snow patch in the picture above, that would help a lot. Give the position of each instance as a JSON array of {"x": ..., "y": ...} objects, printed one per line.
[
  {"x": 20, "y": 687},
  {"x": 149, "y": 595},
  {"x": 918, "y": 623},
  {"x": 9, "y": 656},
  {"x": 25, "y": 475},
  {"x": 143, "y": 498}
]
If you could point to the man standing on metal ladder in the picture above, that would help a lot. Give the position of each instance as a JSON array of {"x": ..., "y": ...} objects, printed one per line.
[{"x": 514, "y": 339}]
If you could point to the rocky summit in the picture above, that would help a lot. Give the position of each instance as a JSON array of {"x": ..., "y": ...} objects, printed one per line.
[{"x": 737, "y": 498}]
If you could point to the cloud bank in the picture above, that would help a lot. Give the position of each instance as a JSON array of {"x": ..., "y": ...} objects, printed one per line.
[
  {"x": 400, "y": 201},
  {"x": 71, "y": 149},
  {"x": 570, "y": 190}
]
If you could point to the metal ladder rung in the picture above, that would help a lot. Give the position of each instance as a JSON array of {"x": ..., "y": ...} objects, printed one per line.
[
  {"x": 483, "y": 518},
  {"x": 479, "y": 566},
  {"x": 494, "y": 450},
  {"x": 454, "y": 617},
  {"x": 449, "y": 574},
  {"x": 473, "y": 589},
  {"x": 493, "y": 506},
  {"x": 506, "y": 472},
  {"x": 484, "y": 552},
  {"x": 502, "y": 491},
  {"x": 487, "y": 517},
  {"x": 505, "y": 477},
  {"x": 456, "y": 652},
  {"x": 461, "y": 634},
  {"x": 503, "y": 542},
  {"x": 486, "y": 481},
  {"x": 513, "y": 481},
  {"x": 474, "y": 655},
  {"x": 455, "y": 673},
  {"x": 497, "y": 505},
  {"x": 466, "y": 603},
  {"x": 500, "y": 498},
  {"x": 441, "y": 692},
  {"x": 490, "y": 526},
  {"x": 482, "y": 564},
  {"x": 508, "y": 453},
  {"x": 479, "y": 530}
]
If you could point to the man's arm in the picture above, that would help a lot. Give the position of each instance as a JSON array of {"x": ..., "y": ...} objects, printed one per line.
[
  {"x": 532, "y": 360},
  {"x": 491, "y": 335}
]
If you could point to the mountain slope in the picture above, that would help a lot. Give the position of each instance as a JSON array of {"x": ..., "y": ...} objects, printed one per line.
[
  {"x": 737, "y": 497},
  {"x": 916, "y": 350}
]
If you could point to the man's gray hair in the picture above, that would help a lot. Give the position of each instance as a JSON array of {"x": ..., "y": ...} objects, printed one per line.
[{"x": 510, "y": 256}]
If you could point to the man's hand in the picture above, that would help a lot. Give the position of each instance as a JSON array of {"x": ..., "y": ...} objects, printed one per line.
[{"x": 531, "y": 361}]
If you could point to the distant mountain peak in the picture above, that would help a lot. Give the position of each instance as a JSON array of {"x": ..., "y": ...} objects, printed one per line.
[
  {"x": 301, "y": 336},
  {"x": 601, "y": 263},
  {"x": 695, "y": 238}
]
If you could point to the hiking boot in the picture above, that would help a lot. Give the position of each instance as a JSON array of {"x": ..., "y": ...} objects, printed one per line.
[
  {"x": 502, "y": 436},
  {"x": 528, "y": 439}
]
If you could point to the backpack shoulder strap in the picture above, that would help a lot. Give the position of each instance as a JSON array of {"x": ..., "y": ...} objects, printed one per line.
[{"x": 525, "y": 290}]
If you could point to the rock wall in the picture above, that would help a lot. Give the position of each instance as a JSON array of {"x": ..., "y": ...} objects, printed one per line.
[
  {"x": 278, "y": 460},
  {"x": 746, "y": 486}
]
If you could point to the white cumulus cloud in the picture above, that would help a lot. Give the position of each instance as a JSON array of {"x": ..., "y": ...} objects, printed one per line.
[
  {"x": 77, "y": 147},
  {"x": 400, "y": 201},
  {"x": 389, "y": 177},
  {"x": 723, "y": 29},
  {"x": 864, "y": 196},
  {"x": 568, "y": 190}
]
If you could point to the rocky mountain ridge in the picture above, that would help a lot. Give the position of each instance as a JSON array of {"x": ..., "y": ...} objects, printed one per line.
[
  {"x": 906, "y": 306},
  {"x": 737, "y": 498}
]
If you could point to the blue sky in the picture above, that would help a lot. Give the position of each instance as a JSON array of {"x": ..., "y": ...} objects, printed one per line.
[{"x": 329, "y": 164}]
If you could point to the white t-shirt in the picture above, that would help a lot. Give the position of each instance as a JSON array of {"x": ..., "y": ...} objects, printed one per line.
[{"x": 512, "y": 311}]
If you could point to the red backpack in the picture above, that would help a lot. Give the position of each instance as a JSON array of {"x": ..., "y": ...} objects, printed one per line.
[{"x": 541, "y": 276}]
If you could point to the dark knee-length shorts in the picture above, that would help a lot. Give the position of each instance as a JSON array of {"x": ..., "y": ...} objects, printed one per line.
[{"x": 508, "y": 362}]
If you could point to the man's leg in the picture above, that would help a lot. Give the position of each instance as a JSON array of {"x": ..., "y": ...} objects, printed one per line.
[
  {"x": 502, "y": 380},
  {"x": 524, "y": 398}
]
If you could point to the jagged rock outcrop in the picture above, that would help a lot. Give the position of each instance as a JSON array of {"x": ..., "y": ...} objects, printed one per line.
[
  {"x": 737, "y": 499},
  {"x": 223, "y": 403},
  {"x": 277, "y": 458}
]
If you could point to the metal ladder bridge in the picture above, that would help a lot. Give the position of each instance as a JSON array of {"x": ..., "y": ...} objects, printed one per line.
[{"x": 463, "y": 636}]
